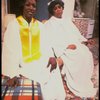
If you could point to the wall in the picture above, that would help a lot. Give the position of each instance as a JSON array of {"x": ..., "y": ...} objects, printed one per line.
[
  {"x": 89, "y": 8},
  {"x": 42, "y": 12},
  {"x": 4, "y": 12},
  {"x": 96, "y": 27}
]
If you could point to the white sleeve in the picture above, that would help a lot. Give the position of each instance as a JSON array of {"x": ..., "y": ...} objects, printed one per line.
[
  {"x": 10, "y": 51},
  {"x": 77, "y": 33},
  {"x": 44, "y": 41}
]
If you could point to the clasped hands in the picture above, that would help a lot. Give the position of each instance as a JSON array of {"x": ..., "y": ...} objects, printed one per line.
[{"x": 53, "y": 63}]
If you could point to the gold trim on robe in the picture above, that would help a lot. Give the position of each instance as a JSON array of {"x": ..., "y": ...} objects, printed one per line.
[{"x": 30, "y": 39}]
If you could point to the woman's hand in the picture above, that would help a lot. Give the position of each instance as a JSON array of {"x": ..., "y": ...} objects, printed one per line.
[
  {"x": 12, "y": 82},
  {"x": 89, "y": 42},
  {"x": 71, "y": 46},
  {"x": 60, "y": 63},
  {"x": 52, "y": 62}
]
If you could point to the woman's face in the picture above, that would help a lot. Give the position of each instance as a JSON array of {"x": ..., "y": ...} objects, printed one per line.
[
  {"x": 29, "y": 9},
  {"x": 58, "y": 11}
]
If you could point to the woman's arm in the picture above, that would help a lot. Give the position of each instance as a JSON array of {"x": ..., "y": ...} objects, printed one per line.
[{"x": 10, "y": 51}]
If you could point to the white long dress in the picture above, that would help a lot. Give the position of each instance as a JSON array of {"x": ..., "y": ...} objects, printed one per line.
[
  {"x": 51, "y": 83},
  {"x": 78, "y": 63}
]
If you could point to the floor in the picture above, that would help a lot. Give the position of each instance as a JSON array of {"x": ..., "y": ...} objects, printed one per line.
[{"x": 94, "y": 48}]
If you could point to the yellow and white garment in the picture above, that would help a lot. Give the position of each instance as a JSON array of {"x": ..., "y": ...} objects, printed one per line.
[
  {"x": 30, "y": 39},
  {"x": 15, "y": 53}
]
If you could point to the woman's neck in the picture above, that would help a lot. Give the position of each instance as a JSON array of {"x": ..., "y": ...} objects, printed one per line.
[
  {"x": 58, "y": 17},
  {"x": 27, "y": 19}
]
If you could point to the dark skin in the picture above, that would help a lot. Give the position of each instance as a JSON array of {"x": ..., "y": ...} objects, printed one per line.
[
  {"x": 12, "y": 82},
  {"x": 29, "y": 10},
  {"x": 58, "y": 10},
  {"x": 53, "y": 63}
]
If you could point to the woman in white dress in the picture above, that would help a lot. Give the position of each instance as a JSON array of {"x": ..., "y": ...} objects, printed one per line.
[
  {"x": 69, "y": 45},
  {"x": 25, "y": 52}
]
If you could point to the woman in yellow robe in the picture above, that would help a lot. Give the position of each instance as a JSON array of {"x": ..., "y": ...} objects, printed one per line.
[{"x": 25, "y": 52}]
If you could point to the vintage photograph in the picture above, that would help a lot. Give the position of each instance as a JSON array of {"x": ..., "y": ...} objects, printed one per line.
[{"x": 50, "y": 49}]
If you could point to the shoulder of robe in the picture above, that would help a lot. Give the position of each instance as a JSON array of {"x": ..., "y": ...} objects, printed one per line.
[{"x": 13, "y": 23}]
